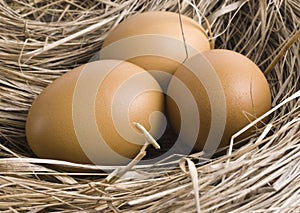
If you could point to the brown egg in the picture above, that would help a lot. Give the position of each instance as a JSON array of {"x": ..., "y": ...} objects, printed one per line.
[
  {"x": 154, "y": 40},
  {"x": 86, "y": 115},
  {"x": 229, "y": 91}
]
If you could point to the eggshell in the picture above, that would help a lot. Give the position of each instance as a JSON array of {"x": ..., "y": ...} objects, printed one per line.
[
  {"x": 86, "y": 115},
  {"x": 244, "y": 87},
  {"x": 155, "y": 41}
]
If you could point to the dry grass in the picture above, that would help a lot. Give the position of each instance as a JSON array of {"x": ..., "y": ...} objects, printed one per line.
[{"x": 40, "y": 41}]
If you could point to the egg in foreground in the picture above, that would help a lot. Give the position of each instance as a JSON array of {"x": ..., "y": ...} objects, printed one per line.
[{"x": 86, "y": 115}]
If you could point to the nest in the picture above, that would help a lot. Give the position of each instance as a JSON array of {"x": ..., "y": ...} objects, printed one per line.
[{"x": 41, "y": 40}]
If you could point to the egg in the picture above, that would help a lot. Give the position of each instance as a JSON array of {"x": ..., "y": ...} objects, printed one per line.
[
  {"x": 87, "y": 114},
  {"x": 229, "y": 91},
  {"x": 157, "y": 41}
]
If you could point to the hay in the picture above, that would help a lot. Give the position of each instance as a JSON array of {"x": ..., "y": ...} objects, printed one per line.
[{"x": 40, "y": 41}]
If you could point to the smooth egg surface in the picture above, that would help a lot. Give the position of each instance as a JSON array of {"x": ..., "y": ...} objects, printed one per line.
[
  {"x": 155, "y": 40},
  {"x": 86, "y": 115}
]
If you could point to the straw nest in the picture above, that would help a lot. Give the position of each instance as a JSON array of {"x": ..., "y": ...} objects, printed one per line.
[{"x": 41, "y": 40}]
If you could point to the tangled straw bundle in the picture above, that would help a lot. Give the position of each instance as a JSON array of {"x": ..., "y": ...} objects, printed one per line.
[{"x": 41, "y": 40}]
